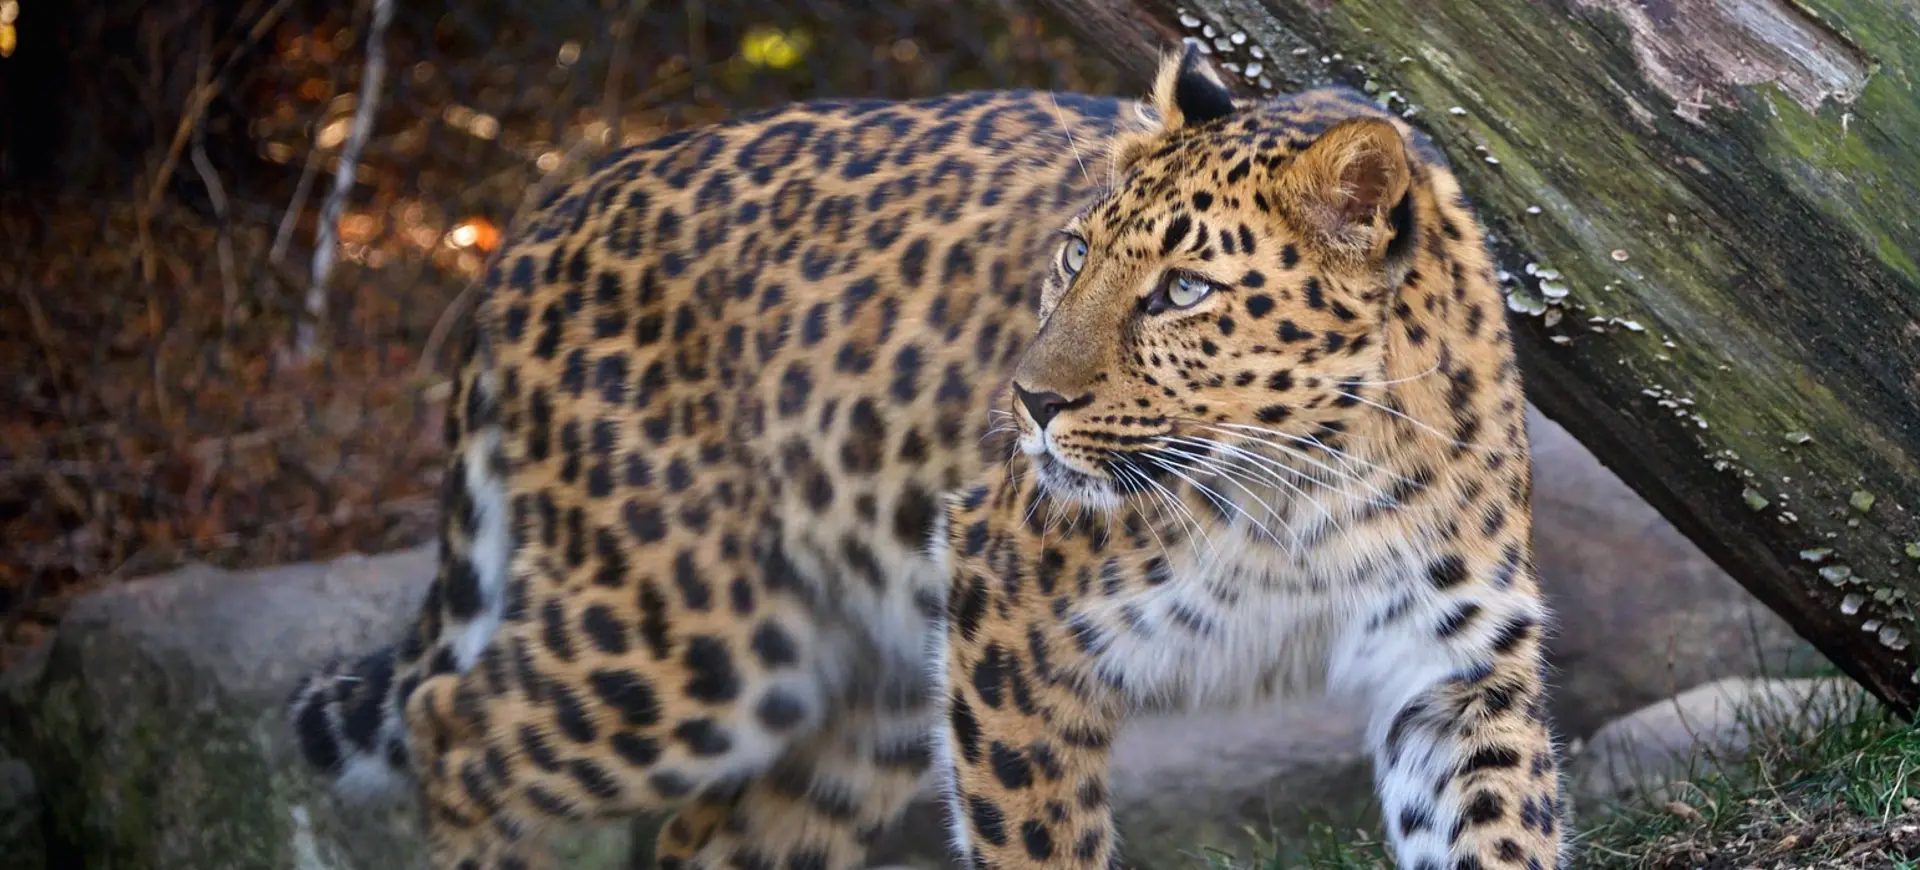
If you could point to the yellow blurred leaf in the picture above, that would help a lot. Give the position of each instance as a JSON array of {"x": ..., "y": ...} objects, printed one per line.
[{"x": 774, "y": 48}]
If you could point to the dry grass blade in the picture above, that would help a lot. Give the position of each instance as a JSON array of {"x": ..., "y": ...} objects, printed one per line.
[{"x": 202, "y": 96}]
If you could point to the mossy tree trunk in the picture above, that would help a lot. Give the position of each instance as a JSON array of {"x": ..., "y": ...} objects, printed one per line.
[{"x": 1708, "y": 212}]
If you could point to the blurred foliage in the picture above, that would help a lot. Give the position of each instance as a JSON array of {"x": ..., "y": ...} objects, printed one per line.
[{"x": 162, "y": 168}]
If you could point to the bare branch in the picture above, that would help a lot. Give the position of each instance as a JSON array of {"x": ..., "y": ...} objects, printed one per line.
[
  {"x": 223, "y": 239},
  {"x": 610, "y": 110},
  {"x": 197, "y": 101},
  {"x": 283, "y": 237},
  {"x": 307, "y": 336}
]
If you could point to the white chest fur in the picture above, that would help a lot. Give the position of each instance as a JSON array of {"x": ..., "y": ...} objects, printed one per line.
[{"x": 1239, "y": 621}]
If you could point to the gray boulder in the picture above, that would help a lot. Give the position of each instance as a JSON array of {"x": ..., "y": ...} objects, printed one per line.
[
  {"x": 20, "y": 842},
  {"x": 1702, "y": 729},
  {"x": 1641, "y": 613},
  {"x": 155, "y": 729},
  {"x": 1239, "y": 782},
  {"x": 22, "y": 846}
]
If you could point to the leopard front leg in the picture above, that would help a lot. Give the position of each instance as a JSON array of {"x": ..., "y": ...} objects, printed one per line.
[
  {"x": 1464, "y": 759},
  {"x": 823, "y": 803},
  {"x": 690, "y": 829},
  {"x": 1024, "y": 749}
]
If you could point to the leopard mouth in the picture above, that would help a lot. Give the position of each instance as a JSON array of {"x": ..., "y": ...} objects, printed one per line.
[{"x": 1062, "y": 481}]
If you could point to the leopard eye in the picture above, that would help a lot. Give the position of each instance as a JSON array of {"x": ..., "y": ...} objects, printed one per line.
[
  {"x": 1179, "y": 290},
  {"x": 1186, "y": 291},
  {"x": 1073, "y": 255}
]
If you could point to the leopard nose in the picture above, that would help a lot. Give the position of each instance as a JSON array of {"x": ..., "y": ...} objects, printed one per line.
[{"x": 1046, "y": 405}]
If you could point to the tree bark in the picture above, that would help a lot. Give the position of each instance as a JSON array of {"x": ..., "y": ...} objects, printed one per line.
[{"x": 1708, "y": 211}]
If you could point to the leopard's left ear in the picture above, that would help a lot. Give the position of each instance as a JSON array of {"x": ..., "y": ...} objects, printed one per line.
[
  {"x": 1186, "y": 92},
  {"x": 1349, "y": 190}
]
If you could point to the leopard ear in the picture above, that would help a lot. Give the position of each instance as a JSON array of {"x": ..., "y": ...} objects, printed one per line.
[
  {"x": 1350, "y": 188},
  {"x": 1185, "y": 91}
]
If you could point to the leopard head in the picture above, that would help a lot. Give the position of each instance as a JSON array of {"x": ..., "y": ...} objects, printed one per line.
[{"x": 1231, "y": 284}]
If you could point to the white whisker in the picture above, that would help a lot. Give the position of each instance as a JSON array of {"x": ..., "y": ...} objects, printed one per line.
[
  {"x": 1054, "y": 512},
  {"x": 1240, "y": 431},
  {"x": 1347, "y": 460},
  {"x": 1068, "y": 130},
  {"x": 1430, "y": 429},
  {"x": 1202, "y": 466},
  {"x": 1298, "y": 491},
  {"x": 1267, "y": 463},
  {"x": 1391, "y": 381},
  {"x": 1375, "y": 496},
  {"x": 1039, "y": 495},
  {"x": 1199, "y": 528},
  {"x": 1179, "y": 510},
  {"x": 1345, "y": 542},
  {"x": 1136, "y": 474}
]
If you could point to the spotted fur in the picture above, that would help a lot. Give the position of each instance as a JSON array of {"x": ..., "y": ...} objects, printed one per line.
[
  {"x": 1271, "y": 444},
  {"x": 699, "y": 438}
]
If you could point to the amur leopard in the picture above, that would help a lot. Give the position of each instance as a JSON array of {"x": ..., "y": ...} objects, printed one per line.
[
  {"x": 797, "y": 457},
  {"x": 1271, "y": 443}
]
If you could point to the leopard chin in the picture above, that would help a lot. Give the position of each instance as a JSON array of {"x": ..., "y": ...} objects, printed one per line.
[{"x": 1071, "y": 486}]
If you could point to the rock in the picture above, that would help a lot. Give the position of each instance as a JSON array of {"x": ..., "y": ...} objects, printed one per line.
[
  {"x": 1702, "y": 728},
  {"x": 918, "y": 842},
  {"x": 1229, "y": 781},
  {"x": 1641, "y": 613},
  {"x": 1205, "y": 780},
  {"x": 1238, "y": 781},
  {"x": 20, "y": 844},
  {"x": 156, "y": 729}
]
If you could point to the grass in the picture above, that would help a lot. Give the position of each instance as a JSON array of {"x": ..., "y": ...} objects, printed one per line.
[
  {"x": 1836, "y": 787},
  {"x": 1839, "y": 788}
]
